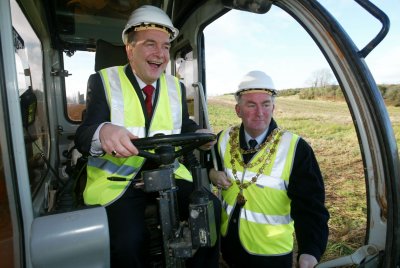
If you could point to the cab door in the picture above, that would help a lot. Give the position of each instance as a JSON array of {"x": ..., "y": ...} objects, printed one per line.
[{"x": 31, "y": 233}]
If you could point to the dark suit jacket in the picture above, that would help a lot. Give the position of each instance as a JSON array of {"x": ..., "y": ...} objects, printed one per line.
[{"x": 98, "y": 111}]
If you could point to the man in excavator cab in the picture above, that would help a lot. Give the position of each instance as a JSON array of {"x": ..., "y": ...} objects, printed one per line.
[{"x": 128, "y": 103}]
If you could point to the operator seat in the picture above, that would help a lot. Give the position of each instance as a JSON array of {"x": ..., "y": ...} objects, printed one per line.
[{"x": 107, "y": 55}]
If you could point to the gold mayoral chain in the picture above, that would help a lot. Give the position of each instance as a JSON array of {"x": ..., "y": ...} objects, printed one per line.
[{"x": 267, "y": 148}]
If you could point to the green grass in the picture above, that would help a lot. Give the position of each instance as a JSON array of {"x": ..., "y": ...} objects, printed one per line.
[{"x": 329, "y": 128}]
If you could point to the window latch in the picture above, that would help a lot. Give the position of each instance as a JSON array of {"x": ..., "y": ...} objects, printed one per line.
[{"x": 62, "y": 73}]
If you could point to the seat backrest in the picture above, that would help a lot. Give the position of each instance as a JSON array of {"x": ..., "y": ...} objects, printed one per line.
[{"x": 108, "y": 55}]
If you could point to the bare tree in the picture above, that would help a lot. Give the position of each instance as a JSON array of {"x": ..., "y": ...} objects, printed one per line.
[{"x": 321, "y": 78}]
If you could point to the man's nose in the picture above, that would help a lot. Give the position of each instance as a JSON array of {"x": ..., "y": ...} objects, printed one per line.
[
  {"x": 158, "y": 50},
  {"x": 260, "y": 110}
]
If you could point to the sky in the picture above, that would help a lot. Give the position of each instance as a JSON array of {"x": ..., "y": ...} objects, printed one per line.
[{"x": 276, "y": 44}]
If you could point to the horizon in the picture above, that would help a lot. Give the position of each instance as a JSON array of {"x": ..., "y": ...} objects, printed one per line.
[
  {"x": 289, "y": 65},
  {"x": 301, "y": 88}
]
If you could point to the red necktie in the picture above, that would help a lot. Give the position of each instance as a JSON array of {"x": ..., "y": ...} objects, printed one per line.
[{"x": 148, "y": 91}]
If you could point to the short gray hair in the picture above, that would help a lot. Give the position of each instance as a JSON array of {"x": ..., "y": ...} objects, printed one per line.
[{"x": 131, "y": 37}]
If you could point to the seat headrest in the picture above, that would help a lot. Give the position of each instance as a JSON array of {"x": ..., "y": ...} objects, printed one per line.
[{"x": 108, "y": 55}]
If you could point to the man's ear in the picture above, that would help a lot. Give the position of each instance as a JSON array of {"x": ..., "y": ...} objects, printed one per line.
[
  {"x": 128, "y": 50},
  {"x": 237, "y": 109}
]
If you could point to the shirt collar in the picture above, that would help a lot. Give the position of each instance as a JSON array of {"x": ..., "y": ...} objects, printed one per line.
[
  {"x": 259, "y": 138},
  {"x": 143, "y": 84}
]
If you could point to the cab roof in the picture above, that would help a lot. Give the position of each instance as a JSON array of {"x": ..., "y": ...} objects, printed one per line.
[{"x": 77, "y": 24}]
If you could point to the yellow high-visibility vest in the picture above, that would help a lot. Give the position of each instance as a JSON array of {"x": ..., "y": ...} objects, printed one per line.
[
  {"x": 126, "y": 110},
  {"x": 265, "y": 225}
]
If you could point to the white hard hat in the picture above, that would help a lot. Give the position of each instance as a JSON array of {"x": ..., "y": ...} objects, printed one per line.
[
  {"x": 256, "y": 81},
  {"x": 149, "y": 17}
]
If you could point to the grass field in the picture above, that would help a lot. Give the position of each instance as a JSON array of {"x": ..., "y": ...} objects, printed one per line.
[{"x": 329, "y": 128}]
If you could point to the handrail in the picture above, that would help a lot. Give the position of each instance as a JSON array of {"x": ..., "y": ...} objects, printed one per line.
[
  {"x": 382, "y": 17},
  {"x": 205, "y": 111}
]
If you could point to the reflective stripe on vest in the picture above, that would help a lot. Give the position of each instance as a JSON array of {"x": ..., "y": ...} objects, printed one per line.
[
  {"x": 119, "y": 96},
  {"x": 126, "y": 110},
  {"x": 265, "y": 225}
]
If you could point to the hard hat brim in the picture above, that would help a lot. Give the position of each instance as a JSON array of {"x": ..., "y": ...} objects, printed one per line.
[
  {"x": 172, "y": 32},
  {"x": 268, "y": 91}
]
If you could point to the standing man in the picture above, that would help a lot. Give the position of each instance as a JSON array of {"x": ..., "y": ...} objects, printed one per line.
[
  {"x": 129, "y": 102},
  {"x": 271, "y": 186}
]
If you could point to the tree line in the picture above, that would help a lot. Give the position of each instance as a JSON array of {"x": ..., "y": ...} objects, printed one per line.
[
  {"x": 323, "y": 85},
  {"x": 390, "y": 93}
]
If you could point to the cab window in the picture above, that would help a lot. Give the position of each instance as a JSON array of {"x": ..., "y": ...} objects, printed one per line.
[
  {"x": 29, "y": 62},
  {"x": 184, "y": 71},
  {"x": 79, "y": 65}
]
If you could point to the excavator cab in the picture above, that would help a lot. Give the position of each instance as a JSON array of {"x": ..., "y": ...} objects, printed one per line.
[{"x": 48, "y": 51}]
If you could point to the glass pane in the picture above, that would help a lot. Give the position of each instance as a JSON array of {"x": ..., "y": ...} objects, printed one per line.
[
  {"x": 29, "y": 62},
  {"x": 80, "y": 66},
  {"x": 184, "y": 71}
]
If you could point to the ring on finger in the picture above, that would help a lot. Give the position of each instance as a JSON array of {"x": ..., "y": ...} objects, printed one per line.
[{"x": 114, "y": 153}]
